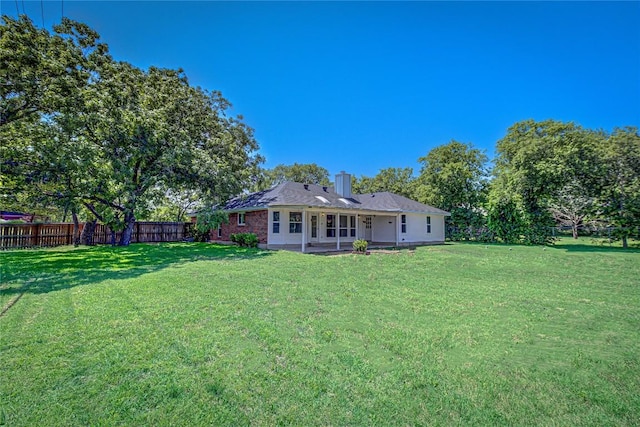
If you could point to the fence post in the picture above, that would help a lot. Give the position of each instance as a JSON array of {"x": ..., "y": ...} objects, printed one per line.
[
  {"x": 137, "y": 232},
  {"x": 36, "y": 235}
]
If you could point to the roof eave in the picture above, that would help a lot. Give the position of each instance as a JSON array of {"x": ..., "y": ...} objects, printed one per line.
[
  {"x": 246, "y": 209},
  {"x": 332, "y": 207}
]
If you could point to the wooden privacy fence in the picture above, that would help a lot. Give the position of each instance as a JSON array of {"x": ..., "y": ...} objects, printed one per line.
[{"x": 16, "y": 236}]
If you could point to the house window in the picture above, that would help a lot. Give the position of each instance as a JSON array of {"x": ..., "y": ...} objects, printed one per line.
[
  {"x": 276, "y": 222},
  {"x": 314, "y": 226},
  {"x": 219, "y": 231},
  {"x": 352, "y": 225},
  {"x": 403, "y": 221},
  {"x": 428, "y": 224},
  {"x": 295, "y": 222},
  {"x": 344, "y": 230},
  {"x": 241, "y": 218},
  {"x": 331, "y": 226}
]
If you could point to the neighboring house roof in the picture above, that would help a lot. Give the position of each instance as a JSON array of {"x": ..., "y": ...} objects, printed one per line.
[
  {"x": 296, "y": 194},
  {"x": 9, "y": 216}
]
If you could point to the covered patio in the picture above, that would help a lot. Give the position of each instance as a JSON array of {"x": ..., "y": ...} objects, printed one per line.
[
  {"x": 323, "y": 230},
  {"x": 323, "y": 248}
]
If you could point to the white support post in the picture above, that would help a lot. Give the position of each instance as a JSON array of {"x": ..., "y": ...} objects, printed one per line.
[
  {"x": 304, "y": 230},
  {"x": 357, "y": 228},
  {"x": 338, "y": 231},
  {"x": 398, "y": 225}
]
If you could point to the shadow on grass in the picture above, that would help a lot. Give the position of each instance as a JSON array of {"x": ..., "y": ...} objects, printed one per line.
[
  {"x": 590, "y": 244},
  {"x": 47, "y": 270},
  {"x": 585, "y": 247},
  {"x": 566, "y": 244}
]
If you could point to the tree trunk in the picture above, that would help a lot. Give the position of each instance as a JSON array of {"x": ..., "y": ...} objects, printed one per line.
[
  {"x": 76, "y": 228},
  {"x": 624, "y": 242},
  {"x": 574, "y": 230},
  {"x": 127, "y": 233},
  {"x": 86, "y": 237}
]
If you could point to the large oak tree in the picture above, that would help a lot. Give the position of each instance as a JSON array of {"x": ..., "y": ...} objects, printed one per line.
[
  {"x": 544, "y": 168},
  {"x": 118, "y": 136}
]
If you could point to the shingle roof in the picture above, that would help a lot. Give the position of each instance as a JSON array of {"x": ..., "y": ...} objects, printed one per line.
[
  {"x": 296, "y": 194},
  {"x": 386, "y": 201}
]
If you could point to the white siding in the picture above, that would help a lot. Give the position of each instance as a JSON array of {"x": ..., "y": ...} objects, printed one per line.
[
  {"x": 437, "y": 228},
  {"x": 384, "y": 229},
  {"x": 417, "y": 229},
  {"x": 284, "y": 237}
]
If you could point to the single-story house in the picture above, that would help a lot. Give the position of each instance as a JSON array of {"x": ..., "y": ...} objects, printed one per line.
[{"x": 299, "y": 216}]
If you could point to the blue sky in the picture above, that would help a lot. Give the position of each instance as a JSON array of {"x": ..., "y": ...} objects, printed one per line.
[{"x": 361, "y": 86}]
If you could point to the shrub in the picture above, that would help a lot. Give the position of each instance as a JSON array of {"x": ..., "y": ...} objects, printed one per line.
[
  {"x": 471, "y": 233},
  {"x": 210, "y": 219},
  {"x": 360, "y": 245},
  {"x": 505, "y": 220},
  {"x": 249, "y": 240},
  {"x": 199, "y": 235}
]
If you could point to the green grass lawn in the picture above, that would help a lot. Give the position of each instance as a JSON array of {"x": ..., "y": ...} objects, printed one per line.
[{"x": 198, "y": 334}]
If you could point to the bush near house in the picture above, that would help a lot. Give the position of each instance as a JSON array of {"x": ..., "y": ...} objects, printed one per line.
[
  {"x": 249, "y": 240},
  {"x": 360, "y": 245}
]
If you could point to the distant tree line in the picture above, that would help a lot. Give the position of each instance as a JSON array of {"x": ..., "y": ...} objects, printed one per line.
[
  {"x": 549, "y": 173},
  {"x": 546, "y": 174}
]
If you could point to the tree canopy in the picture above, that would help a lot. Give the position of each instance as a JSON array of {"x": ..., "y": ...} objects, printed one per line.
[
  {"x": 453, "y": 175},
  {"x": 128, "y": 133},
  {"x": 44, "y": 73},
  {"x": 454, "y": 178},
  {"x": 306, "y": 173},
  {"x": 555, "y": 172},
  {"x": 395, "y": 180},
  {"x": 619, "y": 198}
]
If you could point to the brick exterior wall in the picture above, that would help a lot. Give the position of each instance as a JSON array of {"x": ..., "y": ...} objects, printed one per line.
[{"x": 256, "y": 222}]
